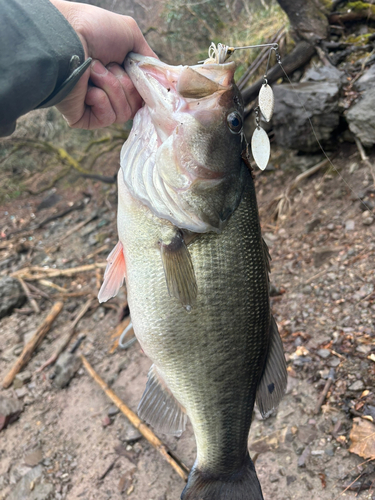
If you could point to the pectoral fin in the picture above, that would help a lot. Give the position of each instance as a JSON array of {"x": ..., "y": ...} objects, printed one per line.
[
  {"x": 159, "y": 408},
  {"x": 179, "y": 270},
  {"x": 114, "y": 274},
  {"x": 272, "y": 386}
]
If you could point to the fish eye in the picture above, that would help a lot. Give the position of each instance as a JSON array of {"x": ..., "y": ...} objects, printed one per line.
[{"x": 234, "y": 121}]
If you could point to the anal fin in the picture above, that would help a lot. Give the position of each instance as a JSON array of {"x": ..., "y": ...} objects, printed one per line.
[
  {"x": 114, "y": 274},
  {"x": 179, "y": 270},
  {"x": 273, "y": 383},
  {"x": 159, "y": 408}
]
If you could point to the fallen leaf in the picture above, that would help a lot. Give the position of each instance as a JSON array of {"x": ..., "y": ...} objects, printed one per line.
[{"x": 362, "y": 436}]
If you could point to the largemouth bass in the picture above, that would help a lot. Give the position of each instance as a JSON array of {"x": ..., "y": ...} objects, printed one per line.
[{"x": 196, "y": 270}]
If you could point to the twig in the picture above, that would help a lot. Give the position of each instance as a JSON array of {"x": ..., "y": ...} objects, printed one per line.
[
  {"x": 284, "y": 199},
  {"x": 364, "y": 157},
  {"x": 32, "y": 301},
  {"x": 177, "y": 465},
  {"x": 53, "y": 273},
  {"x": 50, "y": 284},
  {"x": 330, "y": 380},
  {"x": 79, "y": 226},
  {"x": 33, "y": 343},
  {"x": 68, "y": 336}
]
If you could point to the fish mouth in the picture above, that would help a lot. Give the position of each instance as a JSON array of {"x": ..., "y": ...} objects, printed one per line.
[{"x": 159, "y": 83}]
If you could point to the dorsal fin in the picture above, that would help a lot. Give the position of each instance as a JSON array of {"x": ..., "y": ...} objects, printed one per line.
[
  {"x": 272, "y": 385},
  {"x": 114, "y": 274},
  {"x": 159, "y": 408}
]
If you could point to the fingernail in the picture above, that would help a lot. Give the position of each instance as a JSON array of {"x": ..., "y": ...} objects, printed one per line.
[{"x": 98, "y": 68}]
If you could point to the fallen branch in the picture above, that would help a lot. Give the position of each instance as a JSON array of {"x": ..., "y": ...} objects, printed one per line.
[
  {"x": 364, "y": 157},
  {"x": 32, "y": 301},
  {"x": 54, "y": 273},
  {"x": 146, "y": 432},
  {"x": 330, "y": 380},
  {"x": 33, "y": 343},
  {"x": 68, "y": 337}
]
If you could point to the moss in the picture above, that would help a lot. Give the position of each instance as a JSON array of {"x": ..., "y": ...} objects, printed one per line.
[
  {"x": 360, "y": 7},
  {"x": 358, "y": 39}
]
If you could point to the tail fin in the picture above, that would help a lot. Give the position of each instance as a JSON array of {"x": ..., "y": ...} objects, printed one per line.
[{"x": 241, "y": 485}]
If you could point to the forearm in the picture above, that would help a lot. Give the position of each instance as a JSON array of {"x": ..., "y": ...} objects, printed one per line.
[{"x": 41, "y": 58}]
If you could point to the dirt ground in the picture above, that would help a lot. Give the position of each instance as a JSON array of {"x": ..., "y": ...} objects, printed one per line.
[{"x": 72, "y": 443}]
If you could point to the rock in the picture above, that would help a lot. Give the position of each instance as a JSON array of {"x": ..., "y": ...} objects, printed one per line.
[
  {"x": 10, "y": 410},
  {"x": 324, "y": 73},
  {"x": 349, "y": 225},
  {"x": 367, "y": 80},
  {"x": 310, "y": 226},
  {"x": 31, "y": 487},
  {"x": 112, "y": 411},
  {"x": 324, "y": 353},
  {"x": 361, "y": 121},
  {"x": 307, "y": 289},
  {"x": 34, "y": 457},
  {"x": 291, "y": 122},
  {"x": 106, "y": 421},
  {"x": 331, "y": 227},
  {"x": 11, "y": 295},
  {"x": 358, "y": 385},
  {"x": 130, "y": 434},
  {"x": 66, "y": 367},
  {"x": 21, "y": 392},
  {"x": 303, "y": 457},
  {"x": 21, "y": 379},
  {"x": 367, "y": 221},
  {"x": 321, "y": 254},
  {"x": 334, "y": 362}
]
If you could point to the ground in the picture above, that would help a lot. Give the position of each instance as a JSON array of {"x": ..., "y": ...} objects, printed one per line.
[{"x": 72, "y": 443}]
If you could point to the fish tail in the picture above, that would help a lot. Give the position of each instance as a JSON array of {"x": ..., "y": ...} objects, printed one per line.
[{"x": 240, "y": 485}]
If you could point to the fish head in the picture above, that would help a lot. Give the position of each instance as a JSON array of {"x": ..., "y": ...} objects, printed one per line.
[{"x": 196, "y": 115}]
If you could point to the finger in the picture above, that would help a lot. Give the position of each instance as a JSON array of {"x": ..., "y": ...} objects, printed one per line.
[
  {"x": 132, "y": 96},
  {"x": 98, "y": 111},
  {"x": 106, "y": 80}
]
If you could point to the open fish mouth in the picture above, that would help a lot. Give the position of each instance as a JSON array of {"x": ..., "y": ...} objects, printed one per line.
[{"x": 162, "y": 84}]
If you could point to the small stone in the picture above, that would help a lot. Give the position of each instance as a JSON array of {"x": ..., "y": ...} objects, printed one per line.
[
  {"x": 307, "y": 289},
  {"x": 10, "y": 410},
  {"x": 358, "y": 385},
  {"x": 311, "y": 225},
  {"x": 366, "y": 214},
  {"x": 331, "y": 227},
  {"x": 330, "y": 451},
  {"x": 17, "y": 349},
  {"x": 324, "y": 353},
  {"x": 273, "y": 478},
  {"x": 317, "y": 453},
  {"x": 303, "y": 457},
  {"x": 11, "y": 295},
  {"x": 66, "y": 367},
  {"x": 106, "y": 421},
  {"x": 112, "y": 411},
  {"x": 290, "y": 480},
  {"x": 364, "y": 349},
  {"x": 21, "y": 392},
  {"x": 334, "y": 362},
  {"x": 367, "y": 221},
  {"x": 21, "y": 379},
  {"x": 349, "y": 225},
  {"x": 34, "y": 458},
  {"x": 131, "y": 434}
]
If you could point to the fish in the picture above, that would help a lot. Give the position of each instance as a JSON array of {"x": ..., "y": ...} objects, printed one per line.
[{"x": 196, "y": 269}]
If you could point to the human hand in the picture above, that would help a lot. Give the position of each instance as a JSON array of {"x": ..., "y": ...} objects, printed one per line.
[{"x": 110, "y": 96}]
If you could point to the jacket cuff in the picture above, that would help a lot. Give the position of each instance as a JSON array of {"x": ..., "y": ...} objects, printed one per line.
[{"x": 67, "y": 86}]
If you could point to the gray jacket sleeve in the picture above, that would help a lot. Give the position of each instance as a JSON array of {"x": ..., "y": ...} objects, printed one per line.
[{"x": 41, "y": 58}]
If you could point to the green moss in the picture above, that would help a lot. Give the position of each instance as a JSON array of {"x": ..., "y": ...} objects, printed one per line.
[
  {"x": 359, "y": 7},
  {"x": 358, "y": 39}
]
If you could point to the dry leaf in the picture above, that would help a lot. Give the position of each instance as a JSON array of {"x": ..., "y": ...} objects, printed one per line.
[{"x": 362, "y": 436}]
